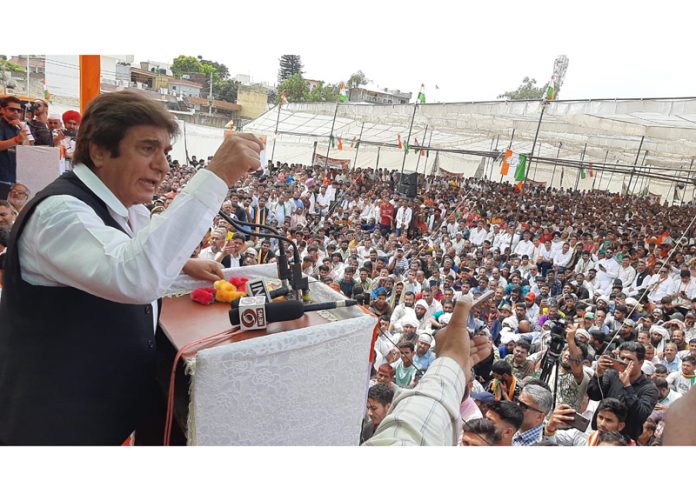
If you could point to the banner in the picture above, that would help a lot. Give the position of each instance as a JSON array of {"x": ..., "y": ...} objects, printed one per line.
[{"x": 332, "y": 163}]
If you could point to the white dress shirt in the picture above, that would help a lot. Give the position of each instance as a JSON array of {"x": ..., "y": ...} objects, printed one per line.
[{"x": 65, "y": 243}]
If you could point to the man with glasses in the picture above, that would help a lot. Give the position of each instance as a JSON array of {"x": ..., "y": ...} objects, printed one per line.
[
  {"x": 18, "y": 197},
  {"x": 535, "y": 401},
  {"x": 662, "y": 285},
  {"x": 11, "y": 134}
]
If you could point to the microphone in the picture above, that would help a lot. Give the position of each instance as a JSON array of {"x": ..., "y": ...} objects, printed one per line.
[{"x": 280, "y": 312}]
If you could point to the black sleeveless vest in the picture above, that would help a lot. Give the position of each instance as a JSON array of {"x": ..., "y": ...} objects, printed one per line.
[{"x": 75, "y": 369}]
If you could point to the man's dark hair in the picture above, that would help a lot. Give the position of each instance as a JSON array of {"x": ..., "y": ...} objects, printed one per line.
[
  {"x": 484, "y": 428},
  {"x": 522, "y": 343},
  {"x": 661, "y": 383},
  {"x": 9, "y": 99},
  {"x": 508, "y": 411},
  {"x": 382, "y": 393},
  {"x": 108, "y": 118},
  {"x": 407, "y": 344},
  {"x": 661, "y": 369},
  {"x": 502, "y": 367},
  {"x": 635, "y": 347},
  {"x": 689, "y": 358},
  {"x": 613, "y": 405},
  {"x": 612, "y": 437}
]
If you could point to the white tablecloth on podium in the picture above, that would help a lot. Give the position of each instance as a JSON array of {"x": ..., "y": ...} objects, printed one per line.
[{"x": 302, "y": 387}]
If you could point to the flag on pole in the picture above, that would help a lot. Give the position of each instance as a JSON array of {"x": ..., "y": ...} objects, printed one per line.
[
  {"x": 583, "y": 175},
  {"x": 421, "y": 95},
  {"x": 352, "y": 142},
  {"x": 506, "y": 162},
  {"x": 550, "y": 92},
  {"x": 521, "y": 163},
  {"x": 47, "y": 95},
  {"x": 332, "y": 142},
  {"x": 518, "y": 187},
  {"x": 340, "y": 144},
  {"x": 591, "y": 172},
  {"x": 415, "y": 149},
  {"x": 342, "y": 93},
  {"x": 406, "y": 147},
  {"x": 283, "y": 99},
  {"x": 398, "y": 141}
]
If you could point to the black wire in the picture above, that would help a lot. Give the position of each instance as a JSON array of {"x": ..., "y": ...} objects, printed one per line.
[{"x": 240, "y": 227}]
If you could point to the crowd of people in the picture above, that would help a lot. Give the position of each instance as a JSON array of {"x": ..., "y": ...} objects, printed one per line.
[
  {"x": 612, "y": 277},
  {"x": 589, "y": 297}
]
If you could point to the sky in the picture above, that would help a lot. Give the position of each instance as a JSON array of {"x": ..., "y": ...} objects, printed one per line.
[{"x": 471, "y": 50}]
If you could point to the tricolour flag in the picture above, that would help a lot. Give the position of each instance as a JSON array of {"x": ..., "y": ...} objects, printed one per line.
[
  {"x": 398, "y": 141},
  {"x": 591, "y": 171},
  {"x": 47, "y": 95},
  {"x": 421, "y": 95},
  {"x": 406, "y": 147},
  {"x": 582, "y": 173},
  {"x": 521, "y": 163},
  {"x": 340, "y": 144},
  {"x": 550, "y": 92},
  {"x": 342, "y": 93}
]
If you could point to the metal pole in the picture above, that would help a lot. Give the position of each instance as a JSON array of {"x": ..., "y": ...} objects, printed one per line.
[
  {"x": 379, "y": 149},
  {"x": 630, "y": 180},
  {"x": 314, "y": 151},
  {"x": 495, "y": 148},
  {"x": 357, "y": 146},
  {"x": 512, "y": 138},
  {"x": 526, "y": 173},
  {"x": 558, "y": 154},
  {"x": 611, "y": 177},
  {"x": 427, "y": 155},
  {"x": 603, "y": 167},
  {"x": 536, "y": 164},
  {"x": 413, "y": 117},
  {"x": 210, "y": 97},
  {"x": 637, "y": 168},
  {"x": 275, "y": 134},
  {"x": 328, "y": 148},
  {"x": 684, "y": 190},
  {"x": 642, "y": 184},
  {"x": 582, "y": 157},
  {"x": 425, "y": 133},
  {"x": 595, "y": 176}
]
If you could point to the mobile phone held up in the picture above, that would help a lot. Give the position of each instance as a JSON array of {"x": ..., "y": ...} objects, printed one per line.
[
  {"x": 618, "y": 365},
  {"x": 579, "y": 422},
  {"x": 482, "y": 298}
]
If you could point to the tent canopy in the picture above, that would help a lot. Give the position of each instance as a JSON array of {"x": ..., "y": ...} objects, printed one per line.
[{"x": 609, "y": 130}]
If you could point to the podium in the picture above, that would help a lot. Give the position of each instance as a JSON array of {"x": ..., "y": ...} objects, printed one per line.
[{"x": 302, "y": 382}]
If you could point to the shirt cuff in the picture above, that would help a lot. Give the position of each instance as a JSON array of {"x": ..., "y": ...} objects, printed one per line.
[{"x": 208, "y": 188}]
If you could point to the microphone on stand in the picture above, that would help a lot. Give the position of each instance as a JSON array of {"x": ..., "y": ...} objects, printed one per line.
[
  {"x": 290, "y": 277},
  {"x": 257, "y": 316}
]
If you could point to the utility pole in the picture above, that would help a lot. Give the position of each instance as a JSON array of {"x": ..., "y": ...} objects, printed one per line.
[{"x": 210, "y": 96}]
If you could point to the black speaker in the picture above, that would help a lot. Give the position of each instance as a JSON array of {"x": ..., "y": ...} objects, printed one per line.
[{"x": 408, "y": 185}]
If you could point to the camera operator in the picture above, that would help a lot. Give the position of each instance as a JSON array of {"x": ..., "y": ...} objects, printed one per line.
[
  {"x": 630, "y": 386},
  {"x": 572, "y": 379},
  {"x": 38, "y": 125}
]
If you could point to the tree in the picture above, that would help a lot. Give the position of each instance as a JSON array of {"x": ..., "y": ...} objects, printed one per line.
[
  {"x": 528, "y": 90},
  {"x": 296, "y": 89},
  {"x": 289, "y": 65},
  {"x": 323, "y": 93},
  {"x": 6, "y": 65},
  {"x": 186, "y": 64},
  {"x": 357, "y": 79},
  {"x": 226, "y": 90},
  {"x": 220, "y": 68}
]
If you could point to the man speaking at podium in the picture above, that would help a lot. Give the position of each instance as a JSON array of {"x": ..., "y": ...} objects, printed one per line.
[{"x": 85, "y": 267}]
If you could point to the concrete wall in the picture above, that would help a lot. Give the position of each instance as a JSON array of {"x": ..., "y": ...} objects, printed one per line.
[{"x": 254, "y": 102}]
